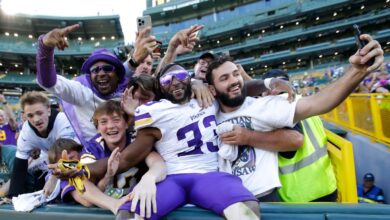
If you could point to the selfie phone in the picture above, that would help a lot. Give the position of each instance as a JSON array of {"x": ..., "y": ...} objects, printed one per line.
[
  {"x": 361, "y": 43},
  {"x": 143, "y": 22}
]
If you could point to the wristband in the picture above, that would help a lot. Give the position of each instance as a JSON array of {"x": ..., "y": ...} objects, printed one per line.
[
  {"x": 267, "y": 83},
  {"x": 133, "y": 63}
]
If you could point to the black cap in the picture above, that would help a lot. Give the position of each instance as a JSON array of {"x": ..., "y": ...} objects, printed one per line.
[
  {"x": 369, "y": 177},
  {"x": 208, "y": 54},
  {"x": 276, "y": 73}
]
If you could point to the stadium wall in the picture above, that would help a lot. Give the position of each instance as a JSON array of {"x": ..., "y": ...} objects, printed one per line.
[{"x": 369, "y": 157}]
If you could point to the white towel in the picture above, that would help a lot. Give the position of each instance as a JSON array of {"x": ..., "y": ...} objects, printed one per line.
[
  {"x": 28, "y": 201},
  {"x": 227, "y": 152}
]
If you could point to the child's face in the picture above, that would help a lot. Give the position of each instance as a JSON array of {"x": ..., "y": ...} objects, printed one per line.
[
  {"x": 112, "y": 128},
  {"x": 143, "y": 96},
  {"x": 74, "y": 155}
]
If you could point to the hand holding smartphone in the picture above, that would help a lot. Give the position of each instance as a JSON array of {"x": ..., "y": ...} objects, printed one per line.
[
  {"x": 361, "y": 43},
  {"x": 143, "y": 22}
]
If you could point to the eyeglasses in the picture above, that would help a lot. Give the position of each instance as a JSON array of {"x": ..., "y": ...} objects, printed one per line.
[
  {"x": 105, "y": 67},
  {"x": 167, "y": 78}
]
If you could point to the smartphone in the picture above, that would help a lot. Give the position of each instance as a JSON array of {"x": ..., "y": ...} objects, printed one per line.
[
  {"x": 360, "y": 43},
  {"x": 158, "y": 48},
  {"x": 144, "y": 22}
]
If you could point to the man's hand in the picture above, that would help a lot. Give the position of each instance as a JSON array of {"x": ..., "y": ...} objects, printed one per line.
[
  {"x": 128, "y": 103},
  {"x": 186, "y": 39},
  {"x": 145, "y": 193},
  {"x": 144, "y": 45},
  {"x": 238, "y": 136},
  {"x": 113, "y": 162},
  {"x": 202, "y": 93},
  {"x": 56, "y": 37},
  {"x": 56, "y": 171},
  {"x": 279, "y": 86},
  {"x": 50, "y": 185},
  {"x": 372, "y": 50}
]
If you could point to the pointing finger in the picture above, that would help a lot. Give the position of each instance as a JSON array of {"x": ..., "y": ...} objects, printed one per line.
[{"x": 70, "y": 28}]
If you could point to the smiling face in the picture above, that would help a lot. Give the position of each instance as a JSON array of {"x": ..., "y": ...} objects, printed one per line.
[
  {"x": 38, "y": 116},
  {"x": 112, "y": 127},
  {"x": 104, "y": 78},
  {"x": 176, "y": 85},
  {"x": 228, "y": 85},
  {"x": 200, "y": 68}
]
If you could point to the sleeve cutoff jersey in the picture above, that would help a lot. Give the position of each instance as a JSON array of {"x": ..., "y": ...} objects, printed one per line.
[{"x": 189, "y": 141}]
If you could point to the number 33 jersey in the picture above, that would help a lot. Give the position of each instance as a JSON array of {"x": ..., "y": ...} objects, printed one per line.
[{"x": 189, "y": 141}]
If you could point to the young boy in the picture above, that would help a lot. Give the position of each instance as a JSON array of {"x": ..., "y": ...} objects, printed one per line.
[
  {"x": 70, "y": 150},
  {"x": 44, "y": 127},
  {"x": 111, "y": 122}
]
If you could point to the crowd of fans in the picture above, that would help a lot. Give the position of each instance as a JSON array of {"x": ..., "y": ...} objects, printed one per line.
[
  {"x": 375, "y": 82},
  {"x": 136, "y": 141}
]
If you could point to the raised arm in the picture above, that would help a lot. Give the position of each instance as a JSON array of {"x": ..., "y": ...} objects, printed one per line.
[
  {"x": 182, "y": 42},
  {"x": 46, "y": 72},
  {"x": 278, "y": 140},
  {"x": 143, "y": 46},
  {"x": 332, "y": 95}
]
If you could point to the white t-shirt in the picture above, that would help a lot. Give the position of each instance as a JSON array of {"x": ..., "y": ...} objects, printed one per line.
[
  {"x": 29, "y": 140},
  {"x": 258, "y": 168},
  {"x": 83, "y": 100},
  {"x": 189, "y": 142}
]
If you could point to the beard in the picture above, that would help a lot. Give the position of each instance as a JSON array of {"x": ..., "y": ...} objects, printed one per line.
[
  {"x": 232, "y": 102},
  {"x": 187, "y": 95}
]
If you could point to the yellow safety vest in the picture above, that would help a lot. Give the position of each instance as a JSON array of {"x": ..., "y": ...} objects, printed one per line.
[{"x": 309, "y": 174}]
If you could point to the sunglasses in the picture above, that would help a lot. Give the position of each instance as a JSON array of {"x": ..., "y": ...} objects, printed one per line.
[
  {"x": 180, "y": 75},
  {"x": 105, "y": 67}
]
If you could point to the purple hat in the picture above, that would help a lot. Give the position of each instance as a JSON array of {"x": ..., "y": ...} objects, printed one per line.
[{"x": 107, "y": 56}]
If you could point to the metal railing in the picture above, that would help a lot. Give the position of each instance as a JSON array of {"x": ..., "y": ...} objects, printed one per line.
[
  {"x": 341, "y": 155},
  {"x": 366, "y": 114}
]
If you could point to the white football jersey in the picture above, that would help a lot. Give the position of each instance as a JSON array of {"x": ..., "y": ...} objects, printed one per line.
[
  {"x": 189, "y": 141},
  {"x": 28, "y": 139}
]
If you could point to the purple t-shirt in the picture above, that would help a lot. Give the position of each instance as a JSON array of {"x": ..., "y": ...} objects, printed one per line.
[
  {"x": 7, "y": 135},
  {"x": 96, "y": 150}
]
